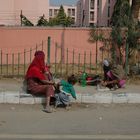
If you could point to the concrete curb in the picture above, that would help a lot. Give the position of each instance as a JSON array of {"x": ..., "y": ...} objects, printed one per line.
[{"x": 98, "y": 97}]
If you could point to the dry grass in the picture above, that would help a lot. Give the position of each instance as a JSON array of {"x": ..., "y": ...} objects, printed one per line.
[{"x": 134, "y": 79}]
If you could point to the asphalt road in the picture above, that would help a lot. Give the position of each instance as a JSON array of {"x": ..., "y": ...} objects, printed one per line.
[{"x": 94, "y": 121}]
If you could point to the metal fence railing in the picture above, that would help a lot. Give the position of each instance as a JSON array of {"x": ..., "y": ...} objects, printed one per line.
[{"x": 16, "y": 64}]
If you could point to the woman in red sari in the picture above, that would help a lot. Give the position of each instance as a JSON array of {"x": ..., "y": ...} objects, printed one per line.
[{"x": 37, "y": 84}]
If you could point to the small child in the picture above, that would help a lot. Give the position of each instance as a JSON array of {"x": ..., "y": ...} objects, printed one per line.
[{"x": 62, "y": 98}]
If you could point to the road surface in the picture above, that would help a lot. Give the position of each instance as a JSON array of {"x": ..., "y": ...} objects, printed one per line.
[{"x": 82, "y": 121}]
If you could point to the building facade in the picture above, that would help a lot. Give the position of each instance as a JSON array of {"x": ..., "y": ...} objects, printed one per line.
[
  {"x": 94, "y": 12},
  {"x": 69, "y": 10},
  {"x": 86, "y": 13},
  {"x": 10, "y": 10}
]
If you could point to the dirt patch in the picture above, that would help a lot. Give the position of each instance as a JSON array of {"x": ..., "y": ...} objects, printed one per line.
[
  {"x": 134, "y": 80},
  {"x": 11, "y": 84}
]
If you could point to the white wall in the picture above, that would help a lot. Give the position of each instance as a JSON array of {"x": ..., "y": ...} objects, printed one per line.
[{"x": 32, "y": 9}]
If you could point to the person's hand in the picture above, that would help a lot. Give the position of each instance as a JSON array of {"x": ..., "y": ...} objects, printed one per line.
[
  {"x": 51, "y": 82},
  {"x": 103, "y": 83}
]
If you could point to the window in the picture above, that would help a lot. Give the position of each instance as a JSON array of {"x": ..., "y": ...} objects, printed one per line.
[
  {"x": 109, "y": 11},
  {"x": 50, "y": 12},
  {"x": 91, "y": 16},
  {"x": 55, "y": 12},
  {"x": 73, "y": 20},
  {"x": 69, "y": 12},
  {"x": 92, "y": 4},
  {"x": 73, "y": 12},
  {"x": 98, "y": 2}
]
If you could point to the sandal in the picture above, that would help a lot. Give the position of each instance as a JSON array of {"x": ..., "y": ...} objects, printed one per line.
[{"x": 47, "y": 110}]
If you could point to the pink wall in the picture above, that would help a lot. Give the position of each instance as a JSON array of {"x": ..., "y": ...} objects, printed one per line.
[{"x": 16, "y": 39}]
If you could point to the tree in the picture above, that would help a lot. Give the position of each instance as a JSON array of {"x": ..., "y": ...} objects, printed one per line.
[
  {"x": 123, "y": 28},
  {"x": 96, "y": 36},
  {"x": 25, "y": 21},
  {"x": 69, "y": 21},
  {"x": 61, "y": 19},
  {"x": 52, "y": 22},
  {"x": 42, "y": 21},
  {"x": 121, "y": 14}
]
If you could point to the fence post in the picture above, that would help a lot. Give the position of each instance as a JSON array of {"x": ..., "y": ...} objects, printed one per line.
[
  {"x": 79, "y": 63},
  {"x": 1, "y": 62},
  {"x": 84, "y": 61},
  {"x": 90, "y": 61},
  {"x": 13, "y": 64},
  {"x": 49, "y": 44},
  {"x": 73, "y": 62},
  {"x": 61, "y": 62},
  {"x": 67, "y": 63},
  {"x": 30, "y": 55},
  {"x": 36, "y": 47},
  {"x": 24, "y": 60},
  {"x": 55, "y": 56},
  {"x": 126, "y": 58},
  {"x": 7, "y": 62},
  {"x": 42, "y": 45},
  {"x": 18, "y": 62}
]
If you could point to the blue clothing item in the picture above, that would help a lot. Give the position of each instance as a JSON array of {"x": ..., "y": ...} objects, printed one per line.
[
  {"x": 62, "y": 98},
  {"x": 68, "y": 88}
]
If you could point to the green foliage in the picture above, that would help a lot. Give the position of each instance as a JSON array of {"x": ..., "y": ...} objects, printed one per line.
[
  {"x": 122, "y": 18},
  {"x": 61, "y": 19},
  {"x": 117, "y": 36},
  {"x": 95, "y": 35},
  {"x": 42, "y": 21},
  {"x": 122, "y": 14},
  {"x": 52, "y": 22},
  {"x": 69, "y": 21},
  {"x": 25, "y": 21},
  {"x": 132, "y": 39}
]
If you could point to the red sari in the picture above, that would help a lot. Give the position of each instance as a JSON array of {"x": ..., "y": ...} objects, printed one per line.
[{"x": 35, "y": 74}]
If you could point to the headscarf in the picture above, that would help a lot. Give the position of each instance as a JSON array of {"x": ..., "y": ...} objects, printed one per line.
[
  {"x": 106, "y": 68},
  {"x": 106, "y": 63},
  {"x": 37, "y": 67}
]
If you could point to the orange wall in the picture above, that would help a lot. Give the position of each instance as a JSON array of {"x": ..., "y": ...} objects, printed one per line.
[{"x": 16, "y": 39}]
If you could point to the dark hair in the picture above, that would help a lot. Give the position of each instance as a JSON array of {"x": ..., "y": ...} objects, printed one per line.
[{"x": 72, "y": 79}]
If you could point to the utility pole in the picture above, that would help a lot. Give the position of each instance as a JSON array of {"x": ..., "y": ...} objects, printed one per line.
[{"x": 49, "y": 44}]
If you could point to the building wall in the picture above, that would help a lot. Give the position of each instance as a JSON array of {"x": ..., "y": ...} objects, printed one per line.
[
  {"x": 100, "y": 12},
  {"x": 7, "y": 12},
  {"x": 79, "y": 13},
  {"x": 32, "y": 9},
  {"x": 106, "y": 10}
]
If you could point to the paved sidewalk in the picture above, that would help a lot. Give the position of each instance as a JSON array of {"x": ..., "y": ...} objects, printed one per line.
[{"x": 11, "y": 92}]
